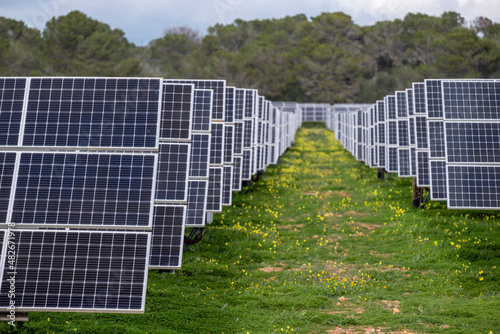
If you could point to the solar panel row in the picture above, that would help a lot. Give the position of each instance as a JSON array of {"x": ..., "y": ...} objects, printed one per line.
[
  {"x": 113, "y": 170},
  {"x": 444, "y": 132}
]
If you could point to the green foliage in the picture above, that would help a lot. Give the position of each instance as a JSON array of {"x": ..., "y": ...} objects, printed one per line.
[{"x": 327, "y": 58}]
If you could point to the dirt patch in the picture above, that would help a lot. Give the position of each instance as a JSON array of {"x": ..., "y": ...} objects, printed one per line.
[
  {"x": 364, "y": 330},
  {"x": 289, "y": 227},
  {"x": 354, "y": 214},
  {"x": 343, "y": 194},
  {"x": 373, "y": 253},
  {"x": 270, "y": 269}
]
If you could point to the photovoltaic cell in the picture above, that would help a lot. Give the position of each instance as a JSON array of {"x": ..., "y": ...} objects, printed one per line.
[
  {"x": 413, "y": 161},
  {"x": 246, "y": 173},
  {"x": 92, "y": 112},
  {"x": 173, "y": 172},
  {"x": 423, "y": 178},
  {"x": 167, "y": 236},
  {"x": 421, "y": 135},
  {"x": 404, "y": 163},
  {"x": 11, "y": 105},
  {"x": 434, "y": 98},
  {"x": 200, "y": 155},
  {"x": 393, "y": 164},
  {"x": 403, "y": 133},
  {"x": 237, "y": 172},
  {"x": 436, "y": 139},
  {"x": 473, "y": 142},
  {"x": 227, "y": 192},
  {"x": 412, "y": 131},
  {"x": 419, "y": 98},
  {"x": 202, "y": 110},
  {"x": 79, "y": 271},
  {"x": 214, "y": 197},
  {"x": 473, "y": 100},
  {"x": 230, "y": 102},
  {"x": 228, "y": 144},
  {"x": 438, "y": 179},
  {"x": 7, "y": 166},
  {"x": 219, "y": 94},
  {"x": 248, "y": 134},
  {"x": 79, "y": 189},
  {"x": 392, "y": 135},
  {"x": 474, "y": 187},
  {"x": 177, "y": 109},
  {"x": 238, "y": 137},
  {"x": 197, "y": 203},
  {"x": 250, "y": 95},
  {"x": 217, "y": 141},
  {"x": 239, "y": 104}
]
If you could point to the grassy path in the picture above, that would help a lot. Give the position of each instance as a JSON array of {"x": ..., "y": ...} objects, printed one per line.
[{"x": 319, "y": 245}]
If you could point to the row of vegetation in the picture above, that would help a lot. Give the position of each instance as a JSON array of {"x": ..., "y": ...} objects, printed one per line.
[{"x": 326, "y": 58}]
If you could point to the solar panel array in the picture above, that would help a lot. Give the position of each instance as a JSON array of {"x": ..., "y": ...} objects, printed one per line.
[
  {"x": 443, "y": 132},
  {"x": 101, "y": 176}
]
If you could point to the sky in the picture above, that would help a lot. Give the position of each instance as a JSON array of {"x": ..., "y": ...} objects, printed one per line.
[{"x": 145, "y": 20}]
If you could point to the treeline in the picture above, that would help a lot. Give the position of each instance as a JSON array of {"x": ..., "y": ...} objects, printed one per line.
[{"x": 327, "y": 58}]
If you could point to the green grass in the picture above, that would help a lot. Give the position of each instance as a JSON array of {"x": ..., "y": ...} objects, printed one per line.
[{"x": 320, "y": 245}]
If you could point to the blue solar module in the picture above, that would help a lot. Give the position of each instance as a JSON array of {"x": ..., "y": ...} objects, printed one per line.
[
  {"x": 228, "y": 144},
  {"x": 217, "y": 143},
  {"x": 238, "y": 137},
  {"x": 227, "y": 190},
  {"x": 473, "y": 100},
  {"x": 438, "y": 180},
  {"x": 421, "y": 132},
  {"x": 237, "y": 172},
  {"x": 419, "y": 98},
  {"x": 412, "y": 131},
  {"x": 219, "y": 94},
  {"x": 85, "y": 189},
  {"x": 473, "y": 187},
  {"x": 392, "y": 164},
  {"x": 239, "y": 104},
  {"x": 423, "y": 178},
  {"x": 403, "y": 135},
  {"x": 12, "y": 91},
  {"x": 413, "y": 161},
  {"x": 250, "y": 97},
  {"x": 230, "y": 104},
  {"x": 202, "y": 109},
  {"x": 214, "y": 197},
  {"x": 173, "y": 172},
  {"x": 404, "y": 167},
  {"x": 177, "y": 110},
  {"x": 200, "y": 155},
  {"x": 436, "y": 139},
  {"x": 7, "y": 167},
  {"x": 434, "y": 98},
  {"x": 78, "y": 271},
  {"x": 168, "y": 236},
  {"x": 473, "y": 142},
  {"x": 248, "y": 134},
  {"x": 392, "y": 132},
  {"x": 197, "y": 203},
  {"x": 93, "y": 112},
  {"x": 246, "y": 174}
]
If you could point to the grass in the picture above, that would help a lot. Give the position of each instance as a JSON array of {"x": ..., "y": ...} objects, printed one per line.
[{"x": 320, "y": 245}]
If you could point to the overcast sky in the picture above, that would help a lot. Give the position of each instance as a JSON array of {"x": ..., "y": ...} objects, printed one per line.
[{"x": 145, "y": 20}]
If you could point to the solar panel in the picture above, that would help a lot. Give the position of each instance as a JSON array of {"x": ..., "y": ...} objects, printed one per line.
[
  {"x": 434, "y": 98},
  {"x": 92, "y": 112},
  {"x": 7, "y": 167},
  {"x": 197, "y": 203},
  {"x": 237, "y": 172},
  {"x": 436, "y": 139},
  {"x": 239, "y": 104},
  {"x": 423, "y": 178},
  {"x": 214, "y": 197},
  {"x": 202, "y": 110},
  {"x": 217, "y": 143},
  {"x": 419, "y": 98},
  {"x": 227, "y": 191},
  {"x": 472, "y": 142},
  {"x": 246, "y": 173},
  {"x": 168, "y": 236},
  {"x": 438, "y": 180},
  {"x": 78, "y": 271},
  {"x": 248, "y": 134},
  {"x": 177, "y": 108},
  {"x": 230, "y": 104},
  {"x": 473, "y": 187},
  {"x": 473, "y": 100},
  {"x": 84, "y": 189},
  {"x": 404, "y": 167},
  {"x": 219, "y": 94},
  {"x": 421, "y": 132},
  {"x": 173, "y": 172},
  {"x": 238, "y": 137},
  {"x": 413, "y": 161},
  {"x": 12, "y": 92},
  {"x": 200, "y": 155},
  {"x": 228, "y": 144}
]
